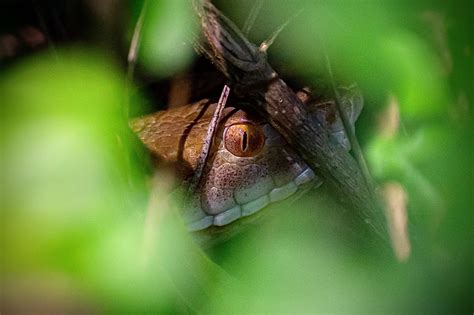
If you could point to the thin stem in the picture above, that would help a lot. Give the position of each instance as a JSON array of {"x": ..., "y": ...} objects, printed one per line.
[
  {"x": 349, "y": 130},
  {"x": 132, "y": 60},
  {"x": 133, "y": 55},
  {"x": 211, "y": 130},
  {"x": 252, "y": 16},
  {"x": 268, "y": 42}
]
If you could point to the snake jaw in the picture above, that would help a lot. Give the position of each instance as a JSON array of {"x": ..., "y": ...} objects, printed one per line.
[
  {"x": 302, "y": 181},
  {"x": 234, "y": 187}
]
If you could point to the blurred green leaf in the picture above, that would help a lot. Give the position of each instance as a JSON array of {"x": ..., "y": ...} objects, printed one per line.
[
  {"x": 417, "y": 76},
  {"x": 167, "y": 32},
  {"x": 64, "y": 165},
  {"x": 74, "y": 202}
]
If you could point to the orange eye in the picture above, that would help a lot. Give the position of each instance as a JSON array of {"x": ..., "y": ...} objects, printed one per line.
[{"x": 244, "y": 140}]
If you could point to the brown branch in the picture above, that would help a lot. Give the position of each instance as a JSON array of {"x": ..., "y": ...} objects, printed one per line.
[
  {"x": 209, "y": 138},
  {"x": 252, "y": 76}
]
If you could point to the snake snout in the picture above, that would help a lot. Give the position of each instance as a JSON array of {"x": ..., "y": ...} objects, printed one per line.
[
  {"x": 250, "y": 166},
  {"x": 235, "y": 187}
]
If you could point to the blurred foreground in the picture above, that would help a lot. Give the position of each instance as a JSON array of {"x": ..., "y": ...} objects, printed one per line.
[{"x": 74, "y": 189}]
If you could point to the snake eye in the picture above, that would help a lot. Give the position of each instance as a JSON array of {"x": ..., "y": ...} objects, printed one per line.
[{"x": 244, "y": 140}]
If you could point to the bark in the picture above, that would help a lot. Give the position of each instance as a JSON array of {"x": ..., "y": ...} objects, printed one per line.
[{"x": 251, "y": 76}]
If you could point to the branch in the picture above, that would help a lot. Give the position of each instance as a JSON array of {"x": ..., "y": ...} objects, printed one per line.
[
  {"x": 251, "y": 76},
  {"x": 211, "y": 130}
]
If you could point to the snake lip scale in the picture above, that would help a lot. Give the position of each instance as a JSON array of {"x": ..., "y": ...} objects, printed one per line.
[{"x": 276, "y": 194}]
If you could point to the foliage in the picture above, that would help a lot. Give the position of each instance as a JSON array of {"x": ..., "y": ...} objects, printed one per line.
[{"x": 74, "y": 188}]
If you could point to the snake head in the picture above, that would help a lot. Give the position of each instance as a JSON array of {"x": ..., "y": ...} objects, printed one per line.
[{"x": 249, "y": 167}]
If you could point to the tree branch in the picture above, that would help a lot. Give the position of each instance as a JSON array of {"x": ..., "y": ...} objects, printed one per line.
[{"x": 251, "y": 76}]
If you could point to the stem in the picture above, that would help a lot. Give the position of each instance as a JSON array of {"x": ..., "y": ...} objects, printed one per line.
[
  {"x": 211, "y": 130},
  {"x": 348, "y": 129},
  {"x": 133, "y": 55},
  {"x": 252, "y": 16}
]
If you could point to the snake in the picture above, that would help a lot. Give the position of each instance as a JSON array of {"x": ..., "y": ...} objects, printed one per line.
[{"x": 250, "y": 165}]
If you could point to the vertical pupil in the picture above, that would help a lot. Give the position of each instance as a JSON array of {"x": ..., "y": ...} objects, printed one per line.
[{"x": 244, "y": 141}]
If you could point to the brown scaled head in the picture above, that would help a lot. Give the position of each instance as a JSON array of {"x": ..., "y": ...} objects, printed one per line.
[{"x": 244, "y": 139}]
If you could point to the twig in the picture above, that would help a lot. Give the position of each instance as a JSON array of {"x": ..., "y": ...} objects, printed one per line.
[
  {"x": 136, "y": 40},
  {"x": 133, "y": 55},
  {"x": 349, "y": 129},
  {"x": 268, "y": 42},
  {"x": 252, "y": 16},
  {"x": 132, "y": 60},
  {"x": 211, "y": 130}
]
